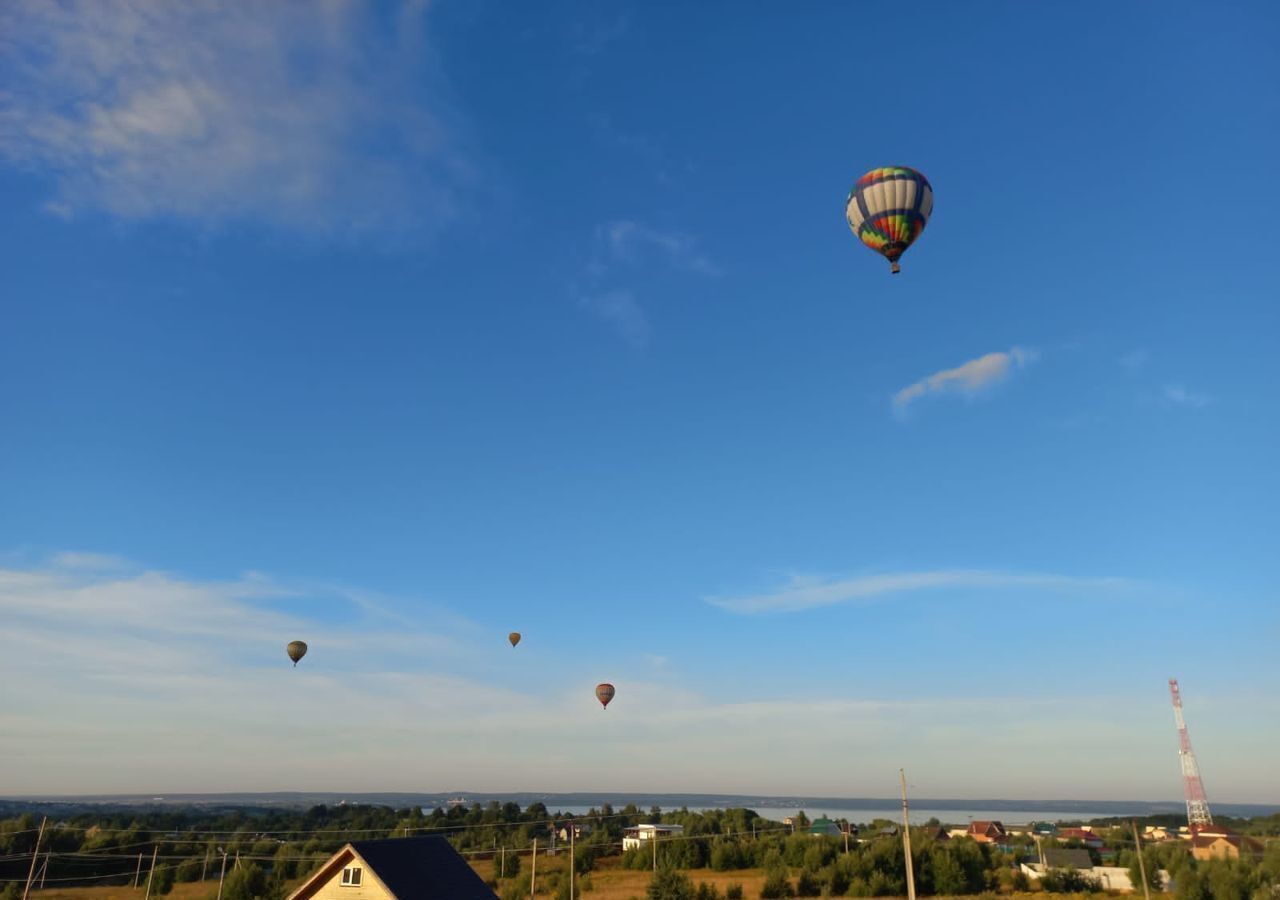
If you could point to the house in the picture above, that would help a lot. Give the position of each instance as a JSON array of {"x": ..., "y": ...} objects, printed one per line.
[
  {"x": 1225, "y": 846},
  {"x": 1044, "y": 829},
  {"x": 1068, "y": 858},
  {"x": 634, "y": 837},
  {"x": 985, "y": 832},
  {"x": 934, "y": 833},
  {"x": 1083, "y": 835},
  {"x": 414, "y": 868},
  {"x": 1158, "y": 833},
  {"x": 824, "y": 827}
]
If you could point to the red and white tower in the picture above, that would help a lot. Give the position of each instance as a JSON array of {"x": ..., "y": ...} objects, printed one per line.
[{"x": 1197, "y": 805}]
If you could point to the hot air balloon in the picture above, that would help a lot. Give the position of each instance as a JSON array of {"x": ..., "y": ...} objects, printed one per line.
[
  {"x": 888, "y": 208},
  {"x": 604, "y": 693},
  {"x": 514, "y": 638},
  {"x": 296, "y": 650}
]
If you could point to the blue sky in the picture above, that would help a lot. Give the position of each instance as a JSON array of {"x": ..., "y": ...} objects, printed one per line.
[{"x": 398, "y": 327}]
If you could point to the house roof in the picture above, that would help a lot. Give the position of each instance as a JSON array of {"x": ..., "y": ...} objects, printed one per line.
[
  {"x": 415, "y": 868},
  {"x": 1239, "y": 841},
  {"x": 982, "y": 826},
  {"x": 1067, "y": 858}
]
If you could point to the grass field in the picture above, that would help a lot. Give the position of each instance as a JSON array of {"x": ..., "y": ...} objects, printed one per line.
[{"x": 611, "y": 882}]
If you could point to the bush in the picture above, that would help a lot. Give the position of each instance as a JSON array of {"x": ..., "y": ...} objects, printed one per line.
[
  {"x": 506, "y": 865},
  {"x": 706, "y": 892},
  {"x": 775, "y": 885},
  {"x": 733, "y": 892},
  {"x": 1069, "y": 881},
  {"x": 669, "y": 884},
  {"x": 189, "y": 870},
  {"x": 807, "y": 884},
  {"x": 162, "y": 880}
]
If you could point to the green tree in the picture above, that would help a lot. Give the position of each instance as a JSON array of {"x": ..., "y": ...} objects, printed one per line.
[
  {"x": 948, "y": 874},
  {"x": 776, "y": 884},
  {"x": 162, "y": 880},
  {"x": 669, "y": 884},
  {"x": 506, "y": 865},
  {"x": 807, "y": 885},
  {"x": 248, "y": 882}
]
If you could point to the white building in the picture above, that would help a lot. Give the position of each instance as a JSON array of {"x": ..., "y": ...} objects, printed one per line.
[{"x": 636, "y": 835}]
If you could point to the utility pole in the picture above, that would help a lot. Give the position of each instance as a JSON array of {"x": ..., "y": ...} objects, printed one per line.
[
  {"x": 846, "y": 828},
  {"x": 152, "y": 874},
  {"x": 572, "y": 868},
  {"x": 533, "y": 873},
  {"x": 44, "y": 869},
  {"x": 906, "y": 838},
  {"x": 502, "y": 863},
  {"x": 35, "y": 853},
  {"x": 1142, "y": 866},
  {"x": 222, "y": 874},
  {"x": 205, "y": 868},
  {"x": 655, "y": 849}
]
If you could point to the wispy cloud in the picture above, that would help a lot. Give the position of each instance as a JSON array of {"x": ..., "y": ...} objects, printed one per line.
[
  {"x": 632, "y": 242},
  {"x": 309, "y": 116},
  {"x": 620, "y": 310},
  {"x": 1180, "y": 396},
  {"x": 624, "y": 249},
  {"x": 801, "y": 593},
  {"x": 967, "y": 379}
]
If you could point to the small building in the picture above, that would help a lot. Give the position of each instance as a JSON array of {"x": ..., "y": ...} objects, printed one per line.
[
  {"x": 414, "y": 868},
  {"x": 824, "y": 827},
  {"x": 1068, "y": 858},
  {"x": 1225, "y": 846},
  {"x": 636, "y": 835},
  {"x": 1044, "y": 829},
  {"x": 986, "y": 832},
  {"x": 1085, "y": 836},
  {"x": 934, "y": 833},
  {"x": 574, "y": 830}
]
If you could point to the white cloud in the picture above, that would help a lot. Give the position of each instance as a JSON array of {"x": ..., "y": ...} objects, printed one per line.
[
  {"x": 620, "y": 310},
  {"x": 621, "y": 248},
  {"x": 629, "y": 241},
  {"x": 310, "y": 116},
  {"x": 1180, "y": 396},
  {"x": 801, "y": 593},
  {"x": 137, "y": 681},
  {"x": 970, "y": 378}
]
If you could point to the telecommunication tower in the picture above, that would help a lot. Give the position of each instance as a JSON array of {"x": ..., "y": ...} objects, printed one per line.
[{"x": 1197, "y": 805}]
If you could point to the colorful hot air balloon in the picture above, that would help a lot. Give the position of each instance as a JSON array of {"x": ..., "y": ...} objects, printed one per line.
[
  {"x": 514, "y": 638},
  {"x": 888, "y": 208},
  {"x": 296, "y": 650},
  {"x": 604, "y": 693}
]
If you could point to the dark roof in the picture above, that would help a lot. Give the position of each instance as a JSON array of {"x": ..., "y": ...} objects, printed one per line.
[
  {"x": 423, "y": 868},
  {"x": 1067, "y": 858}
]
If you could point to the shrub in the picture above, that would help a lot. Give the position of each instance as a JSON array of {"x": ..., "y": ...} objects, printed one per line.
[
  {"x": 733, "y": 892},
  {"x": 775, "y": 885},
  {"x": 670, "y": 884}
]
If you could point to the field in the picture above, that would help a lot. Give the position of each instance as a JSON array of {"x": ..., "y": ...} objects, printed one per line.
[{"x": 611, "y": 882}]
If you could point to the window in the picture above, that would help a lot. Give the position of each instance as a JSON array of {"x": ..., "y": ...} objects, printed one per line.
[{"x": 351, "y": 876}]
